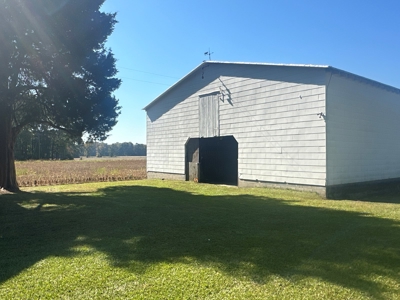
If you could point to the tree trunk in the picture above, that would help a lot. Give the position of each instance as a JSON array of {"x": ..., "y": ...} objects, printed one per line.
[{"x": 8, "y": 176}]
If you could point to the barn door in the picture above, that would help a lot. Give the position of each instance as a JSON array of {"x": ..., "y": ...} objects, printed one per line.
[{"x": 209, "y": 115}]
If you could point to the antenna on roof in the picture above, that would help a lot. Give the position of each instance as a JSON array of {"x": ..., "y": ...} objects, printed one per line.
[{"x": 208, "y": 53}]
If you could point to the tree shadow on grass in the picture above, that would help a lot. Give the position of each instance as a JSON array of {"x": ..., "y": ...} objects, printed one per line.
[
  {"x": 244, "y": 236},
  {"x": 389, "y": 196}
]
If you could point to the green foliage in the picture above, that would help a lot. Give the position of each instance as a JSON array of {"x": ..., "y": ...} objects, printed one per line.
[
  {"x": 182, "y": 240},
  {"x": 46, "y": 143},
  {"x": 116, "y": 149},
  {"x": 55, "y": 69}
]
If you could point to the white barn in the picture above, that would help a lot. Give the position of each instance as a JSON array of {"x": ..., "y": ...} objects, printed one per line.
[{"x": 302, "y": 126}]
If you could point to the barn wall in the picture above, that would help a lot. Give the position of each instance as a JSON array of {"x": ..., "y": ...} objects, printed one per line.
[
  {"x": 271, "y": 111},
  {"x": 170, "y": 123},
  {"x": 167, "y": 135},
  {"x": 281, "y": 138},
  {"x": 363, "y": 121}
]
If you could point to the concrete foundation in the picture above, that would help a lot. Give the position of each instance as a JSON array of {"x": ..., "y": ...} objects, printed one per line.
[
  {"x": 343, "y": 191},
  {"x": 276, "y": 185},
  {"x": 168, "y": 176}
]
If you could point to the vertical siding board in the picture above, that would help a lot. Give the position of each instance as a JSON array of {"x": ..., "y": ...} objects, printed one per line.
[
  {"x": 209, "y": 115},
  {"x": 203, "y": 117}
]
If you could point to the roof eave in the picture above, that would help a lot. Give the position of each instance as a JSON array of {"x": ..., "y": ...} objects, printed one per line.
[{"x": 174, "y": 85}]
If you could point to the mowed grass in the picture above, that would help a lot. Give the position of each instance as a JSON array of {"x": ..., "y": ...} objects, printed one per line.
[
  {"x": 153, "y": 239},
  {"x": 45, "y": 172}
]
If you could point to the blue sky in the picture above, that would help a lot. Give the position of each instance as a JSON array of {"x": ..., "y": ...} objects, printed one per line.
[{"x": 158, "y": 42}]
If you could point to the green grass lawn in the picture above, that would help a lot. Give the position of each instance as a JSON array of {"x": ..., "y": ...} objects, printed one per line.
[{"x": 182, "y": 240}]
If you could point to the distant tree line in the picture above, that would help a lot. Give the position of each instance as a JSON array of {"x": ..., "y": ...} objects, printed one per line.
[
  {"x": 46, "y": 143},
  {"x": 116, "y": 149}
]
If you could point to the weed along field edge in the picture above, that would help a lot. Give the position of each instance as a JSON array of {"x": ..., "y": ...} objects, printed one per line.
[
  {"x": 44, "y": 172},
  {"x": 154, "y": 239}
]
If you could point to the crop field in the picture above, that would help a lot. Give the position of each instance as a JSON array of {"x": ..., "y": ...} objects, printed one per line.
[{"x": 37, "y": 173}]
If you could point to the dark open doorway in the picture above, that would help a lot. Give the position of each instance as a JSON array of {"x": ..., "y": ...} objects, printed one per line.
[{"x": 212, "y": 160}]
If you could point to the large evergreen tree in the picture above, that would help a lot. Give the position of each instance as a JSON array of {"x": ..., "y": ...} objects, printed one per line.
[{"x": 55, "y": 71}]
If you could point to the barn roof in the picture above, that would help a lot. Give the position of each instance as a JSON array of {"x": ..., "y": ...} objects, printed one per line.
[{"x": 327, "y": 67}]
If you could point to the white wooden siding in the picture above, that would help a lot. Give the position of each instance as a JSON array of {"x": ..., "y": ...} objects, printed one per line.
[
  {"x": 281, "y": 138},
  {"x": 167, "y": 135},
  {"x": 363, "y": 123},
  {"x": 271, "y": 111}
]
